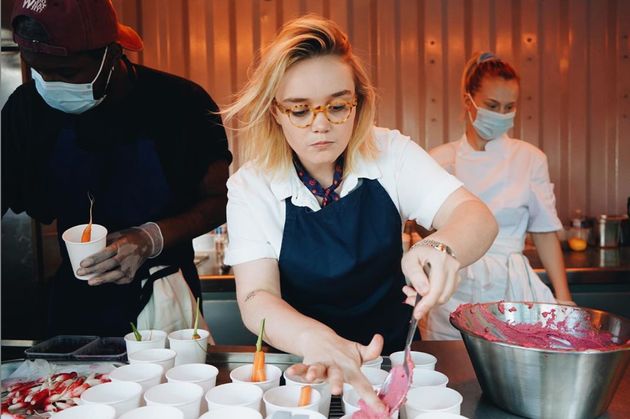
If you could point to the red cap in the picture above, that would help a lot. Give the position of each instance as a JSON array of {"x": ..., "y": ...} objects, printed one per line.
[{"x": 74, "y": 26}]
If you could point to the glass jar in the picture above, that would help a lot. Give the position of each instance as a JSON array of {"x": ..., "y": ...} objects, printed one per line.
[{"x": 577, "y": 238}]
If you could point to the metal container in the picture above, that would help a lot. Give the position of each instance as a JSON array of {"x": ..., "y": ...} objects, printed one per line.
[
  {"x": 608, "y": 230},
  {"x": 548, "y": 383}
]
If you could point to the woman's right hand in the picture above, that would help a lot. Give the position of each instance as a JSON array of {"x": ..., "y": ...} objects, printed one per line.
[{"x": 327, "y": 356}]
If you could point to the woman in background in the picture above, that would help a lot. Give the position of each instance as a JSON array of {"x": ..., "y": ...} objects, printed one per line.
[{"x": 512, "y": 177}]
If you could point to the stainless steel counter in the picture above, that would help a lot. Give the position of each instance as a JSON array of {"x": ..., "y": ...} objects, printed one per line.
[{"x": 594, "y": 265}]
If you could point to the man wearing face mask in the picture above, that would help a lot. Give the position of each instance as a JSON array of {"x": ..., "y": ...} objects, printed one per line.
[
  {"x": 146, "y": 145},
  {"x": 512, "y": 178}
]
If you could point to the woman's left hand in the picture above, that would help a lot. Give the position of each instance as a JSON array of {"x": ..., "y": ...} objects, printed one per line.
[
  {"x": 335, "y": 359},
  {"x": 440, "y": 284}
]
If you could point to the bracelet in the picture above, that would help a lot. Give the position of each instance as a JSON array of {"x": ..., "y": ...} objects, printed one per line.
[{"x": 436, "y": 245}]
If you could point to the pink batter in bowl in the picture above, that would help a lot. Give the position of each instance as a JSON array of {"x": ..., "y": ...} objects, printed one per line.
[{"x": 545, "y": 360}]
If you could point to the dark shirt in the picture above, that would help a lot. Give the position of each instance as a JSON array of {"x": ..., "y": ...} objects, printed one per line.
[{"x": 142, "y": 158}]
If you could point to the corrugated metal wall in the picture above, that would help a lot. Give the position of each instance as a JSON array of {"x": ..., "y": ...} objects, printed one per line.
[{"x": 573, "y": 55}]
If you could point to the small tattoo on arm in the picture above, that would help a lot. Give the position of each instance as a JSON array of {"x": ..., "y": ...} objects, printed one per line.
[{"x": 251, "y": 295}]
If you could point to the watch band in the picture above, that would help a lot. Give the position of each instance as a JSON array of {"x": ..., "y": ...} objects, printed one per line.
[{"x": 436, "y": 245}]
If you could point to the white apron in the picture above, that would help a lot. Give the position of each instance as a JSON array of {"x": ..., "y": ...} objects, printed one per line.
[
  {"x": 511, "y": 177},
  {"x": 504, "y": 273},
  {"x": 171, "y": 307}
]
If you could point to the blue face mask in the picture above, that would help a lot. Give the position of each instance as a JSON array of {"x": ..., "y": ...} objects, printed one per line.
[
  {"x": 73, "y": 98},
  {"x": 491, "y": 125}
]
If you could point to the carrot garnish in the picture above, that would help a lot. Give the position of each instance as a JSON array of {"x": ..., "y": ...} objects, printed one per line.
[
  {"x": 196, "y": 335},
  {"x": 305, "y": 396},
  {"x": 258, "y": 369},
  {"x": 87, "y": 231}
]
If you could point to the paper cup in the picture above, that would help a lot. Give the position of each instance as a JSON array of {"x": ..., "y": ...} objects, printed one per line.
[
  {"x": 374, "y": 363},
  {"x": 92, "y": 411},
  {"x": 323, "y": 388},
  {"x": 232, "y": 412},
  {"x": 146, "y": 374},
  {"x": 243, "y": 374},
  {"x": 286, "y": 398},
  {"x": 153, "y": 412},
  {"x": 163, "y": 357},
  {"x": 203, "y": 375},
  {"x": 376, "y": 377},
  {"x": 350, "y": 401},
  {"x": 234, "y": 394},
  {"x": 189, "y": 350},
  {"x": 78, "y": 251},
  {"x": 298, "y": 413},
  {"x": 420, "y": 359},
  {"x": 121, "y": 395},
  {"x": 431, "y": 400},
  {"x": 428, "y": 378},
  {"x": 151, "y": 339},
  {"x": 184, "y": 396}
]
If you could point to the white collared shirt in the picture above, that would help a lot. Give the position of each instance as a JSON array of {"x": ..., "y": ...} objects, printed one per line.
[
  {"x": 511, "y": 177},
  {"x": 417, "y": 185}
]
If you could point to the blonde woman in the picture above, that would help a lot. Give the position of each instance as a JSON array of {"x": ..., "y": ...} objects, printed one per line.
[
  {"x": 315, "y": 217},
  {"x": 512, "y": 178}
]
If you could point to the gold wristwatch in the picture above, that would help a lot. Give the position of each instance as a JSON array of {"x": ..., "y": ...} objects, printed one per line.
[{"x": 436, "y": 245}]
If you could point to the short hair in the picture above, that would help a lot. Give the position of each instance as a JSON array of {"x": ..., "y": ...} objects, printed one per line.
[
  {"x": 306, "y": 37},
  {"x": 485, "y": 64}
]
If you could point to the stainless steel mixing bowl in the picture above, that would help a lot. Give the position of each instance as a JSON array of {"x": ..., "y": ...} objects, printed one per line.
[{"x": 547, "y": 383}]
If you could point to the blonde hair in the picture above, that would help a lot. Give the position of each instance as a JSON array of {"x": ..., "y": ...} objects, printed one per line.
[{"x": 300, "y": 39}]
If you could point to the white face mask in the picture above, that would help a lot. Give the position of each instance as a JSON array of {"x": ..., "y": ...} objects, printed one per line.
[
  {"x": 70, "y": 97},
  {"x": 491, "y": 125}
]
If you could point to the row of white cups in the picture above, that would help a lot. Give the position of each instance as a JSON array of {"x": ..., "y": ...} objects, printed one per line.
[{"x": 176, "y": 383}]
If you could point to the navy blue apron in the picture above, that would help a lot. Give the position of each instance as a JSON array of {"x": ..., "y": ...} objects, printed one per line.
[
  {"x": 129, "y": 186},
  {"x": 341, "y": 265}
]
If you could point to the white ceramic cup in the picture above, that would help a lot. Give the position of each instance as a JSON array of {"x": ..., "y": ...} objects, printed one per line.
[
  {"x": 243, "y": 374},
  {"x": 375, "y": 376},
  {"x": 234, "y": 394},
  {"x": 439, "y": 415},
  {"x": 428, "y": 378},
  {"x": 432, "y": 399},
  {"x": 78, "y": 251},
  {"x": 154, "y": 412},
  {"x": 189, "y": 350},
  {"x": 350, "y": 401},
  {"x": 203, "y": 375},
  {"x": 145, "y": 374},
  {"x": 160, "y": 356},
  {"x": 121, "y": 395},
  {"x": 232, "y": 412},
  {"x": 151, "y": 339},
  {"x": 323, "y": 388},
  {"x": 374, "y": 363},
  {"x": 184, "y": 396},
  {"x": 420, "y": 359},
  {"x": 286, "y": 398},
  {"x": 91, "y": 411}
]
